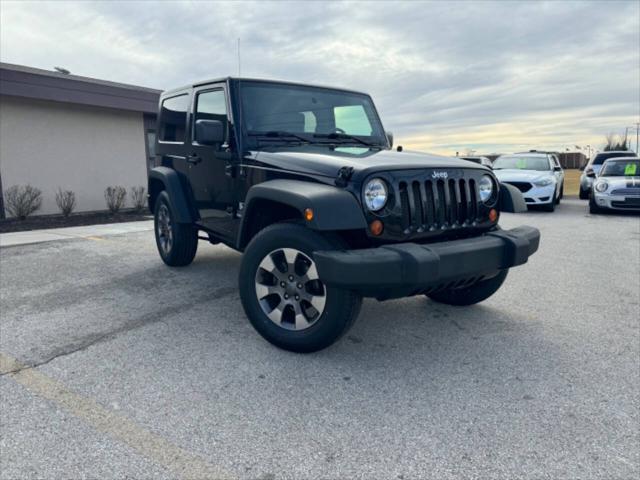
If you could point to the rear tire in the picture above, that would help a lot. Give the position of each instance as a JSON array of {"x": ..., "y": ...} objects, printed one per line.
[
  {"x": 177, "y": 242},
  {"x": 282, "y": 295},
  {"x": 476, "y": 293}
]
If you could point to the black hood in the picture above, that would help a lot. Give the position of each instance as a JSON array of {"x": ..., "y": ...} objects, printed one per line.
[{"x": 322, "y": 161}]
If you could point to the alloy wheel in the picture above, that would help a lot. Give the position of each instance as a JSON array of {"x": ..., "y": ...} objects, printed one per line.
[
  {"x": 289, "y": 290},
  {"x": 164, "y": 229}
]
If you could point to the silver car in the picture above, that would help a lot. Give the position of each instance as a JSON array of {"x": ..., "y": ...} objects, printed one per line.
[
  {"x": 537, "y": 175},
  {"x": 591, "y": 170},
  {"x": 617, "y": 186}
]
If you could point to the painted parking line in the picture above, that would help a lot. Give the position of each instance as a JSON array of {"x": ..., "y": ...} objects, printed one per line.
[{"x": 180, "y": 462}]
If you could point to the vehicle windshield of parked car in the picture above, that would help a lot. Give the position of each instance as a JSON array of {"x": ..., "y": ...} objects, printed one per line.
[
  {"x": 600, "y": 158},
  {"x": 309, "y": 114},
  {"x": 518, "y": 162},
  {"x": 621, "y": 168}
]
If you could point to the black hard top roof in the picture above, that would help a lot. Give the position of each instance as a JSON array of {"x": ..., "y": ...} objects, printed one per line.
[{"x": 248, "y": 79}]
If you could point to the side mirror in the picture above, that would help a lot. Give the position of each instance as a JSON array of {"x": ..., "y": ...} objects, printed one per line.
[
  {"x": 557, "y": 169},
  {"x": 590, "y": 173},
  {"x": 209, "y": 132},
  {"x": 389, "y": 138}
]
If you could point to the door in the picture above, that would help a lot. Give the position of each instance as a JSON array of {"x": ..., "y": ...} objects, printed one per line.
[{"x": 209, "y": 165}]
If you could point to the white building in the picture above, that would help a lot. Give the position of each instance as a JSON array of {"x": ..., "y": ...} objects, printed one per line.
[{"x": 77, "y": 133}]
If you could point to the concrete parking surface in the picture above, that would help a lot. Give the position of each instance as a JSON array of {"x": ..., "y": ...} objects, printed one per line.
[{"x": 116, "y": 366}]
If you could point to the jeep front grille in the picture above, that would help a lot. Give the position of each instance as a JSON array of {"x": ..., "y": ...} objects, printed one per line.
[{"x": 430, "y": 205}]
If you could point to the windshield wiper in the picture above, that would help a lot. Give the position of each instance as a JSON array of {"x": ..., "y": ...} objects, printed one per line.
[
  {"x": 278, "y": 134},
  {"x": 344, "y": 136}
]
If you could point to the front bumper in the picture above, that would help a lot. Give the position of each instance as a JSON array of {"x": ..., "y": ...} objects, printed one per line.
[
  {"x": 404, "y": 269},
  {"x": 616, "y": 202},
  {"x": 540, "y": 195}
]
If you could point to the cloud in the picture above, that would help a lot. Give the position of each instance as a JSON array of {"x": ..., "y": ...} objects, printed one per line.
[{"x": 446, "y": 76}]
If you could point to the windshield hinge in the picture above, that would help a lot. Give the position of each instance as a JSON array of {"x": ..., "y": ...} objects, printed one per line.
[{"x": 344, "y": 175}]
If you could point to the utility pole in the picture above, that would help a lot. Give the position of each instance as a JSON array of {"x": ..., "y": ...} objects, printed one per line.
[{"x": 637, "y": 132}]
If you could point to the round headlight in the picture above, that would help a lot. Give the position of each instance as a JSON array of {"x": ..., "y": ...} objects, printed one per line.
[
  {"x": 485, "y": 188},
  {"x": 375, "y": 194},
  {"x": 601, "y": 186}
]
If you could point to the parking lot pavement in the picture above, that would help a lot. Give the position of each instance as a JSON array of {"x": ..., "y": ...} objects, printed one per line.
[{"x": 138, "y": 370}]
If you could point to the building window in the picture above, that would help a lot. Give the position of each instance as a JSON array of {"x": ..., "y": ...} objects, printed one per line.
[
  {"x": 173, "y": 118},
  {"x": 151, "y": 147}
]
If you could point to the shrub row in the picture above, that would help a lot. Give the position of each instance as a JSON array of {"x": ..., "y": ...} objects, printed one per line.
[{"x": 23, "y": 200}]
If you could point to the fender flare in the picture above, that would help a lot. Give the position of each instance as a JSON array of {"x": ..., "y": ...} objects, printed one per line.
[
  {"x": 172, "y": 185},
  {"x": 333, "y": 208},
  {"x": 511, "y": 199}
]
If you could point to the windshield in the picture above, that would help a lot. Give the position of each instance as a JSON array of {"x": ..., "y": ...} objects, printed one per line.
[
  {"x": 521, "y": 163},
  {"x": 621, "y": 168},
  {"x": 600, "y": 158},
  {"x": 310, "y": 114}
]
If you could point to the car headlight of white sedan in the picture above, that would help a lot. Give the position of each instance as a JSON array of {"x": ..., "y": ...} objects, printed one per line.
[
  {"x": 601, "y": 186},
  {"x": 544, "y": 182}
]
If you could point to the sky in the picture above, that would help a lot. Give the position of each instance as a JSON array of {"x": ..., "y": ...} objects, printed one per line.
[{"x": 446, "y": 76}]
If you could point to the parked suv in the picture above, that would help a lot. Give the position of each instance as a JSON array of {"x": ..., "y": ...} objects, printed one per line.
[{"x": 303, "y": 181}]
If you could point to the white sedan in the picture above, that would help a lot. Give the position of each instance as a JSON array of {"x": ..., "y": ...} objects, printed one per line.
[
  {"x": 617, "y": 186},
  {"x": 538, "y": 176}
]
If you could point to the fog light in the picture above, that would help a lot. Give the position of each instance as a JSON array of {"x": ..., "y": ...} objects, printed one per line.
[
  {"x": 308, "y": 214},
  {"x": 376, "y": 227},
  {"x": 493, "y": 215}
]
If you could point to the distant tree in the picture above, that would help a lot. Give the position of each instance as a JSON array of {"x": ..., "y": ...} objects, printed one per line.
[{"x": 616, "y": 142}]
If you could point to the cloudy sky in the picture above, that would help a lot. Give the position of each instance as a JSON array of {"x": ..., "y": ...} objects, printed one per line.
[{"x": 446, "y": 76}]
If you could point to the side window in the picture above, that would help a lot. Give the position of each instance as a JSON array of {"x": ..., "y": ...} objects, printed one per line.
[
  {"x": 211, "y": 105},
  {"x": 173, "y": 118},
  {"x": 353, "y": 120}
]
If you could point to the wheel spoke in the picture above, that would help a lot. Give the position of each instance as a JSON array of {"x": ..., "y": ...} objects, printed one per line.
[
  {"x": 267, "y": 264},
  {"x": 318, "y": 302},
  {"x": 301, "y": 320},
  {"x": 311, "y": 273},
  {"x": 276, "y": 315},
  {"x": 290, "y": 255},
  {"x": 265, "y": 290}
]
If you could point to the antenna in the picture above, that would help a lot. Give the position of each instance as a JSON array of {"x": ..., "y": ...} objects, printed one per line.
[{"x": 239, "y": 71}]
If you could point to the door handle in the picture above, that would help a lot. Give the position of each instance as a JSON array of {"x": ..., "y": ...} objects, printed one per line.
[{"x": 194, "y": 159}]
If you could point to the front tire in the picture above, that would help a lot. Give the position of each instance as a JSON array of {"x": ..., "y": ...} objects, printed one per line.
[
  {"x": 584, "y": 194},
  {"x": 593, "y": 208},
  {"x": 282, "y": 295},
  {"x": 177, "y": 242},
  {"x": 471, "y": 295},
  {"x": 551, "y": 206}
]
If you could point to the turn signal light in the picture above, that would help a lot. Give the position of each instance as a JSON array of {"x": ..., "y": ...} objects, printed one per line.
[
  {"x": 376, "y": 227},
  {"x": 308, "y": 214},
  {"x": 493, "y": 215}
]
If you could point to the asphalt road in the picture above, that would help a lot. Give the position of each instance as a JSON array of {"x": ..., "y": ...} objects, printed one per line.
[{"x": 121, "y": 367}]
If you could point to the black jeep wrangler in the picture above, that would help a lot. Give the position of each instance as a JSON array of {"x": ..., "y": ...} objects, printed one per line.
[{"x": 303, "y": 180}]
